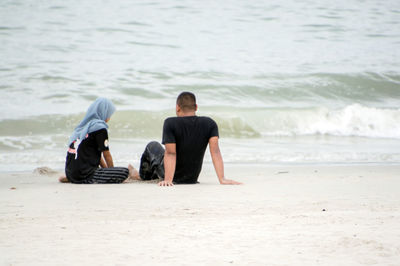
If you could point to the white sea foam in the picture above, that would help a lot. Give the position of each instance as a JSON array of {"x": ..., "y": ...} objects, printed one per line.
[{"x": 353, "y": 120}]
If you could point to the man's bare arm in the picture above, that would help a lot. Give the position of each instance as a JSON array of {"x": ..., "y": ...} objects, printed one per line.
[
  {"x": 169, "y": 164},
  {"x": 108, "y": 159},
  {"x": 102, "y": 163},
  {"x": 219, "y": 163}
]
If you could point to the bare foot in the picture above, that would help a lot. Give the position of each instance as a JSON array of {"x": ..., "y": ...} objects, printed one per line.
[
  {"x": 133, "y": 173},
  {"x": 63, "y": 179}
]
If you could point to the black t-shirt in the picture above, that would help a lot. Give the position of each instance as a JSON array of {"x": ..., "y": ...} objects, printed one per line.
[
  {"x": 191, "y": 135},
  {"x": 82, "y": 166}
]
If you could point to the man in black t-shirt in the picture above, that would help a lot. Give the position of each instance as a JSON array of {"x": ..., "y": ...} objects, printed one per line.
[{"x": 185, "y": 138}]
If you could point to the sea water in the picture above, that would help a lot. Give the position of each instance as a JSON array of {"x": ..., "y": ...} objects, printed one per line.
[{"x": 287, "y": 81}]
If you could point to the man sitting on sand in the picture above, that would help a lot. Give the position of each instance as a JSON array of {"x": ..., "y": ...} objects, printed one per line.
[{"x": 185, "y": 138}]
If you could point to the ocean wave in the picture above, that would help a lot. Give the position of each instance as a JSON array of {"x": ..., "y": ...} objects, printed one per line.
[
  {"x": 154, "y": 90},
  {"x": 330, "y": 89},
  {"x": 352, "y": 120},
  {"x": 352, "y": 134}
]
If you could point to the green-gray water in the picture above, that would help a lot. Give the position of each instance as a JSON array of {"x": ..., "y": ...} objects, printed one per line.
[{"x": 287, "y": 82}]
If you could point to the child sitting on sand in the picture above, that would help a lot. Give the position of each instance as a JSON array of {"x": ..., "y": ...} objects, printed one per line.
[{"x": 88, "y": 149}]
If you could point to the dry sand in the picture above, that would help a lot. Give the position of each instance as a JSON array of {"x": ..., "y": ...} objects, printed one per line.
[{"x": 282, "y": 215}]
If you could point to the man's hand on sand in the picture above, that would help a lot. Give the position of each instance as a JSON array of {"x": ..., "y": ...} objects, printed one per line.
[
  {"x": 229, "y": 182},
  {"x": 165, "y": 183}
]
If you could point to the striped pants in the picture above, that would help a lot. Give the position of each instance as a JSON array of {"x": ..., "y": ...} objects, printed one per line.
[{"x": 108, "y": 176}]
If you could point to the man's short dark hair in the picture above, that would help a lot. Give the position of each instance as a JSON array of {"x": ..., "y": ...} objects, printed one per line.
[{"x": 186, "y": 101}]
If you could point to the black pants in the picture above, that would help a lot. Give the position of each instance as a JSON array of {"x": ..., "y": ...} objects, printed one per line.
[{"x": 152, "y": 162}]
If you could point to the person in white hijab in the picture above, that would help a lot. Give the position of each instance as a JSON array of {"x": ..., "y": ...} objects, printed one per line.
[{"x": 89, "y": 159}]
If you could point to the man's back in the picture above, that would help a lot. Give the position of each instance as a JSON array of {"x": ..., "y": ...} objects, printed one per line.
[{"x": 191, "y": 135}]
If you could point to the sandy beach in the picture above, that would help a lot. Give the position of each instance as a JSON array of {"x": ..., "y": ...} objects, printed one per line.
[
  {"x": 282, "y": 215},
  {"x": 306, "y": 96}
]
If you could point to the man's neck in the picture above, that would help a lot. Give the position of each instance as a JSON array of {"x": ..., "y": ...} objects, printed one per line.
[{"x": 187, "y": 114}]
